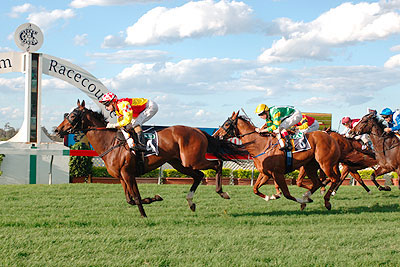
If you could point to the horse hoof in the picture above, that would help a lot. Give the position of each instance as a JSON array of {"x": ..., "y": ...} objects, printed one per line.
[
  {"x": 303, "y": 206},
  {"x": 333, "y": 193},
  {"x": 310, "y": 200},
  {"x": 193, "y": 207},
  {"x": 276, "y": 196},
  {"x": 225, "y": 195},
  {"x": 158, "y": 198},
  {"x": 328, "y": 206},
  {"x": 387, "y": 188}
]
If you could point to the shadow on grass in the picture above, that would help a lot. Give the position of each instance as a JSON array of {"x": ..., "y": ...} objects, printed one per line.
[{"x": 352, "y": 210}]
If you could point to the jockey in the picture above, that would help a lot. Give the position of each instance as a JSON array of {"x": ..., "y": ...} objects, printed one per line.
[
  {"x": 307, "y": 124},
  {"x": 392, "y": 119},
  {"x": 132, "y": 113},
  {"x": 278, "y": 120},
  {"x": 349, "y": 124}
]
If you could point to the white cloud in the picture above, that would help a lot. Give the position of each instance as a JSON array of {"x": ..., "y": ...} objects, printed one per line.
[
  {"x": 395, "y": 48},
  {"x": 132, "y": 56},
  {"x": 393, "y": 62},
  {"x": 11, "y": 112},
  {"x": 46, "y": 19},
  {"x": 86, "y": 3},
  {"x": 16, "y": 11},
  {"x": 344, "y": 25},
  {"x": 12, "y": 84},
  {"x": 192, "y": 20},
  {"x": 81, "y": 39}
]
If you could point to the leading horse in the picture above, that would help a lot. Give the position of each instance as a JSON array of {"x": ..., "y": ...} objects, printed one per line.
[
  {"x": 386, "y": 145},
  {"x": 270, "y": 161},
  {"x": 183, "y": 147}
]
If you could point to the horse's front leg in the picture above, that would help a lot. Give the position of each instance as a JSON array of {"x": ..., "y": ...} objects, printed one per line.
[
  {"x": 261, "y": 180},
  {"x": 280, "y": 180},
  {"x": 132, "y": 188},
  {"x": 128, "y": 197}
]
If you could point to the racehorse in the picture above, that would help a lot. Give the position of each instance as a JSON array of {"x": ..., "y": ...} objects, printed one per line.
[
  {"x": 183, "y": 147},
  {"x": 352, "y": 158},
  {"x": 270, "y": 161},
  {"x": 386, "y": 145}
]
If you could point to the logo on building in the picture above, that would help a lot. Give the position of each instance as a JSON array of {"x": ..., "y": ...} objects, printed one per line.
[{"x": 28, "y": 37}]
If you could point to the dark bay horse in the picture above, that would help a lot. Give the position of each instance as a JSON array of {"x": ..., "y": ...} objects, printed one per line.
[
  {"x": 183, "y": 147},
  {"x": 270, "y": 161},
  {"x": 386, "y": 145}
]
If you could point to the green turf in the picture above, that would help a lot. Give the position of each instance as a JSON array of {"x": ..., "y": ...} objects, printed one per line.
[{"x": 92, "y": 225}]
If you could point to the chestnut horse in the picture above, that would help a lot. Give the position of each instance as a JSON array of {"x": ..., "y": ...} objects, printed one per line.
[
  {"x": 183, "y": 147},
  {"x": 270, "y": 161},
  {"x": 386, "y": 145}
]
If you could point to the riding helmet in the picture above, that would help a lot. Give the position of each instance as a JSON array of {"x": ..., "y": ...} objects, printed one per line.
[
  {"x": 108, "y": 97},
  {"x": 261, "y": 108},
  {"x": 386, "y": 112}
]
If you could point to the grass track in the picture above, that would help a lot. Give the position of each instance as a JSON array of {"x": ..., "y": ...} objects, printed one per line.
[{"x": 92, "y": 225}]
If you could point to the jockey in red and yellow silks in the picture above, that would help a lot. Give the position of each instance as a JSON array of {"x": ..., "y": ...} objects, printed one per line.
[
  {"x": 131, "y": 114},
  {"x": 128, "y": 109}
]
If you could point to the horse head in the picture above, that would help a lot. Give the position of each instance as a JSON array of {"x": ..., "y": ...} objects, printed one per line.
[
  {"x": 73, "y": 121},
  {"x": 228, "y": 128},
  {"x": 365, "y": 125}
]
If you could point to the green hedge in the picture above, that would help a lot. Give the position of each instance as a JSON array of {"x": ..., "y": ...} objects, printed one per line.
[
  {"x": 1, "y": 160},
  {"x": 80, "y": 166}
]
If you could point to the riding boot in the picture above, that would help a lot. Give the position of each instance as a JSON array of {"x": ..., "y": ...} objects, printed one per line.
[
  {"x": 140, "y": 142},
  {"x": 288, "y": 144}
]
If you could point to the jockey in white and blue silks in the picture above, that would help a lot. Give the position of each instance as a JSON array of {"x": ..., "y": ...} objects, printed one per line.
[{"x": 392, "y": 119}]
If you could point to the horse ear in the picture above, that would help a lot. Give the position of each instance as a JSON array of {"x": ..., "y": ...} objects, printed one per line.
[
  {"x": 78, "y": 103},
  {"x": 83, "y": 103}
]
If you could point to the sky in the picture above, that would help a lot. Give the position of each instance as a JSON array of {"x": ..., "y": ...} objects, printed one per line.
[{"x": 202, "y": 60}]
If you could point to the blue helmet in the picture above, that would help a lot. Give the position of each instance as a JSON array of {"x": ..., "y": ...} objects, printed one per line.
[{"x": 386, "y": 112}]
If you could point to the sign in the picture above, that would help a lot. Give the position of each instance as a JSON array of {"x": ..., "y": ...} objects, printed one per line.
[
  {"x": 28, "y": 37},
  {"x": 77, "y": 77},
  {"x": 11, "y": 62},
  {"x": 324, "y": 119}
]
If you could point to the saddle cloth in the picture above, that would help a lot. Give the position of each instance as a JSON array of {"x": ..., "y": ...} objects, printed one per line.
[
  {"x": 151, "y": 143},
  {"x": 299, "y": 142}
]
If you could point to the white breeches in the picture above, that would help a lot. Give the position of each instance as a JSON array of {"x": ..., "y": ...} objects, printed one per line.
[
  {"x": 148, "y": 113},
  {"x": 290, "y": 121}
]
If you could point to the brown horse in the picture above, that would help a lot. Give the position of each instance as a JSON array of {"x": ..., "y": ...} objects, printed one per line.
[
  {"x": 353, "y": 158},
  {"x": 270, "y": 161},
  {"x": 183, "y": 147},
  {"x": 386, "y": 146}
]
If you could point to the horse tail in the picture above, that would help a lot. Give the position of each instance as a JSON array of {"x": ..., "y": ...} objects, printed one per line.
[{"x": 224, "y": 149}]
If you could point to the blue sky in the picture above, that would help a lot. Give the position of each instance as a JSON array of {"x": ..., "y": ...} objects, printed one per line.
[{"x": 202, "y": 60}]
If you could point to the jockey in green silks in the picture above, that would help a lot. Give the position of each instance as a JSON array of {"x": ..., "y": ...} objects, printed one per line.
[{"x": 278, "y": 120}]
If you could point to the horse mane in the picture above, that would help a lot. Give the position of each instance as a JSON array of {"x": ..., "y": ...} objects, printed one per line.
[{"x": 98, "y": 115}]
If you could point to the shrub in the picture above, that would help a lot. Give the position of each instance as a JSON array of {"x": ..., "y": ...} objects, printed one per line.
[
  {"x": 80, "y": 166},
  {"x": 226, "y": 172},
  {"x": 173, "y": 173},
  {"x": 100, "y": 172},
  {"x": 209, "y": 173},
  {"x": 151, "y": 174},
  {"x": 1, "y": 160},
  {"x": 244, "y": 174},
  {"x": 292, "y": 175}
]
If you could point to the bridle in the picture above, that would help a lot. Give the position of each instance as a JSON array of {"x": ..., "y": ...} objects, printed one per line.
[
  {"x": 77, "y": 121},
  {"x": 230, "y": 130}
]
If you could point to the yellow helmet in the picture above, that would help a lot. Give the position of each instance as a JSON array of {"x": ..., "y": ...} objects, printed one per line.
[{"x": 261, "y": 108}]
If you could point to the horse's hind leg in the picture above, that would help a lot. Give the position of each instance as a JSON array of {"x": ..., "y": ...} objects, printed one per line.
[
  {"x": 218, "y": 180},
  {"x": 376, "y": 173},
  {"x": 197, "y": 177}
]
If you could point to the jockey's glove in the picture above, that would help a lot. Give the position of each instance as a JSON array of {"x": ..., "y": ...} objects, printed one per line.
[{"x": 111, "y": 125}]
